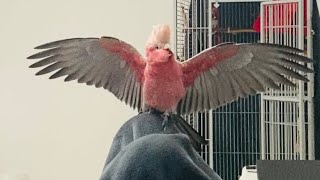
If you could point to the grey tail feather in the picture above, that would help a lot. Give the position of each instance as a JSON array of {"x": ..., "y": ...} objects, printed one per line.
[{"x": 195, "y": 138}]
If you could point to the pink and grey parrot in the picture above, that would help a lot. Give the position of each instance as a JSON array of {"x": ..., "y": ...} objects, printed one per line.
[{"x": 212, "y": 78}]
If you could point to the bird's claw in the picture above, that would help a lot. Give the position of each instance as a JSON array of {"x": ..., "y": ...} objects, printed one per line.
[
  {"x": 148, "y": 110},
  {"x": 165, "y": 116},
  {"x": 165, "y": 121},
  {"x": 151, "y": 110}
]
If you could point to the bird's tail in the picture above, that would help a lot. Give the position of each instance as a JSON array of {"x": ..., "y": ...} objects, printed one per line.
[{"x": 196, "y": 139}]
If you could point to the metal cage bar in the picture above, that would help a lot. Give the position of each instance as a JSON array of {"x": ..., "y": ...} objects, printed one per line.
[
  {"x": 272, "y": 125},
  {"x": 294, "y": 129}
]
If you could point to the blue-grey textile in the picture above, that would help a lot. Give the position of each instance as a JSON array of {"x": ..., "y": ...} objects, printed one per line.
[{"x": 141, "y": 150}]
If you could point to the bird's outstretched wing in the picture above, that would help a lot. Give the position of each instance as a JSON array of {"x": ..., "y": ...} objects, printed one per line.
[
  {"x": 225, "y": 72},
  {"x": 104, "y": 62}
]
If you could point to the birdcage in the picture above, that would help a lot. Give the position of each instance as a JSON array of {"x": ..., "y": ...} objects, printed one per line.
[{"x": 276, "y": 124}]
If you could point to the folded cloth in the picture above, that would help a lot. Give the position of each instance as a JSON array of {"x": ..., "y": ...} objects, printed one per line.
[{"x": 141, "y": 150}]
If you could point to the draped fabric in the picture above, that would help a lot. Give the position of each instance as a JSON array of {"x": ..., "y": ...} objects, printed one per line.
[{"x": 141, "y": 150}]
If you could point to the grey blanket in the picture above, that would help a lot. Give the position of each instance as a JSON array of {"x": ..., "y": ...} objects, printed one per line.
[{"x": 141, "y": 150}]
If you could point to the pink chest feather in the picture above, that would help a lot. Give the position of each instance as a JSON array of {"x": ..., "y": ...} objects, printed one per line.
[{"x": 163, "y": 86}]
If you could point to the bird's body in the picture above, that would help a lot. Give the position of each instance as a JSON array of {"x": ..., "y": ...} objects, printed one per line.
[{"x": 163, "y": 85}]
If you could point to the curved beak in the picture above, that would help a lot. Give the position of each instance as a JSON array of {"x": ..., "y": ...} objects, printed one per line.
[{"x": 170, "y": 52}]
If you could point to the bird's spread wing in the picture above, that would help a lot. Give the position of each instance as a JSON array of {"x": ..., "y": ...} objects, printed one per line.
[
  {"x": 225, "y": 72},
  {"x": 104, "y": 62}
]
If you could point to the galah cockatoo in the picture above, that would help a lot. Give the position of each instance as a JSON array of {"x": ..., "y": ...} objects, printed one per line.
[{"x": 206, "y": 81}]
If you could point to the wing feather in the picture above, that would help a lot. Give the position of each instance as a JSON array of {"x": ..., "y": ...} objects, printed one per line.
[
  {"x": 225, "y": 72},
  {"x": 213, "y": 96},
  {"x": 205, "y": 102},
  {"x": 104, "y": 62}
]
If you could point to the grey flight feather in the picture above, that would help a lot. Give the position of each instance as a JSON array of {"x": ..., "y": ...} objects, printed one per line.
[
  {"x": 94, "y": 62},
  {"x": 239, "y": 70}
]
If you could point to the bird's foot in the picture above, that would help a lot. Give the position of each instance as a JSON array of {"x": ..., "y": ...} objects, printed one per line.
[
  {"x": 152, "y": 110},
  {"x": 148, "y": 110},
  {"x": 165, "y": 121}
]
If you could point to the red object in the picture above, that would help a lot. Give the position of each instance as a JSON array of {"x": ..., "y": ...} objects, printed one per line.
[{"x": 283, "y": 16}]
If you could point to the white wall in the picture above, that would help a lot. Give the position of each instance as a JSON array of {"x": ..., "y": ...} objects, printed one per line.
[{"x": 53, "y": 130}]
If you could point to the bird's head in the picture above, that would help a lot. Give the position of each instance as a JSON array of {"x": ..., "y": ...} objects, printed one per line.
[{"x": 157, "y": 46}]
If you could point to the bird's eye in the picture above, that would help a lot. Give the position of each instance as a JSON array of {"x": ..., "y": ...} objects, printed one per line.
[{"x": 157, "y": 47}]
